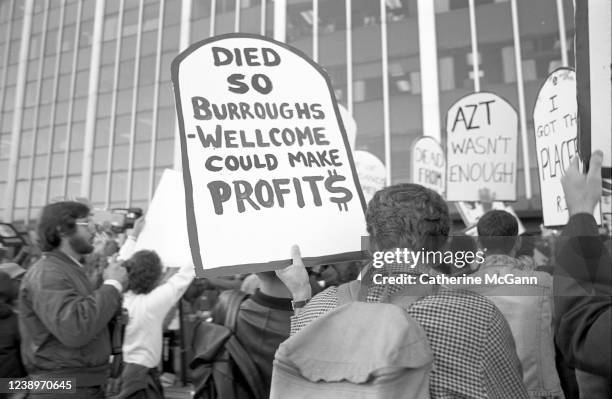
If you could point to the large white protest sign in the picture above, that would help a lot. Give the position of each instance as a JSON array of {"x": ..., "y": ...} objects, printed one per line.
[
  {"x": 165, "y": 229},
  {"x": 482, "y": 141},
  {"x": 555, "y": 121},
  {"x": 371, "y": 172},
  {"x": 266, "y": 160},
  {"x": 428, "y": 164}
]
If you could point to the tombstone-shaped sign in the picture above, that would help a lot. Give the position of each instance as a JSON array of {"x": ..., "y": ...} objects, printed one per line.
[
  {"x": 428, "y": 164},
  {"x": 555, "y": 119},
  {"x": 481, "y": 148},
  {"x": 266, "y": 160},
  {"x": 371, "y": 172}
]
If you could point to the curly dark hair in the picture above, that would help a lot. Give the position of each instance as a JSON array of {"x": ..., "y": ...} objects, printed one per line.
[
  {"x": 407, "y": 216},
  {"x": 497, "y": 231},
  {"x": 144, "y": 270},
  {"x": 56, "y": 219}
]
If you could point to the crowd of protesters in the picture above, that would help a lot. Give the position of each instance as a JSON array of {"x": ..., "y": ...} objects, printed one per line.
[{"x": 62, "y": 312}]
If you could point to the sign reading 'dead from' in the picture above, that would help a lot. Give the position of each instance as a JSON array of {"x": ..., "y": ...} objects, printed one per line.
[
  {"x": 555, "y": 121},
  {"x": 481, "y": 148},
  {"x": 428, "y": 166},
  {"x": 266, "y": 160}
]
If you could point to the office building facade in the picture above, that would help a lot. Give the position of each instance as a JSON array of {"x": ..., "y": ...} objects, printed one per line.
[{"x": 87, "y": 107}]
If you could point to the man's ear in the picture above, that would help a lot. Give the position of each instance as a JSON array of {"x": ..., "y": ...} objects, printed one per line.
[{"x": 62, "y": 232}]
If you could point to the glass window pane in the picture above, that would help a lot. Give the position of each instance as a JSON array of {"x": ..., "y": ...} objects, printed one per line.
[
  {"x": 140, "y": 185},
  {"x": 102, "y": 131},
  {"x": 118, "y": 188},
  {"x": 75, "y": 162},
  {"x": 100, "y": 159}
]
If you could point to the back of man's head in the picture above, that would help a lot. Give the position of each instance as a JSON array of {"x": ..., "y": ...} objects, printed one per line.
[
  {"x": 497, "y": 231},
  {"x": 56, "y": 219},
  {"x": 407, "y": 216}
]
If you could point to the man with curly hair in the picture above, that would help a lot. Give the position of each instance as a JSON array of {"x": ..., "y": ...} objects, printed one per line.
[
  {"x": 62, "y": 318},
  {"x": 473, "y": 349}
]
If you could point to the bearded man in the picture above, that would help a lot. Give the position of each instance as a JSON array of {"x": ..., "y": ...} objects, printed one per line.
[{"x": 62, "y": 318}]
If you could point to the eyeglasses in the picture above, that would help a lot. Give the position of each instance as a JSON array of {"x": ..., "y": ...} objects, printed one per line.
[{"x": 90, "y": 224}]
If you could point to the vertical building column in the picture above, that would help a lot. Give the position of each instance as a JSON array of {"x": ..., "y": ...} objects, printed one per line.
[
  {"x": 24, "y": 49},
  {"x": 136, "y": 78},
  {"x": 428, "y": 57},
  {"x": 183, "y": 44},
  {"x": 154, "y": 124},
  {"x": 518, "y": 59},
  {"x": 280, "y": 20},
  {"x": 262, "y": 27},
  {"x": 474, "y": 40},
  {"x": 349, "y": 56},
  {"x": 562, "y": 33},
  {"x": 237, "y": 17},
  {"x": 315, "y": 30},
  {"x": 385, "y": 86},
  {"x": 92, "y": 100},
  {"x": 36, "y": 118}
]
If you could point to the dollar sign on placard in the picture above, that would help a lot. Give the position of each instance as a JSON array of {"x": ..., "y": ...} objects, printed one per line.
[{"x": 345, "y": 193}]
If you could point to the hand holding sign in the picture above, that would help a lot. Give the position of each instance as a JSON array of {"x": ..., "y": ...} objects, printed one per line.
[
  {"x": 295, "y": 276},
  {"x": 583, "y": 191}
]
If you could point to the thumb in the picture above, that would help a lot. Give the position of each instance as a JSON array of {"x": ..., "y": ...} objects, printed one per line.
[
  {"x": 595, "y": 165},
  {"x": 296, "y": 256}
]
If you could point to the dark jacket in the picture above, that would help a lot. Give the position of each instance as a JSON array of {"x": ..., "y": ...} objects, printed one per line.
[
  {"x": 583, "y": 297},
  {"x": 63, "y": 321},
  {"x": 263, "y": 323},
  {"x": 10, "y": 356}
]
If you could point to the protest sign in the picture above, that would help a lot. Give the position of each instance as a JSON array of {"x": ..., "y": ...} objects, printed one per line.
[
  {"x": 482, "y": 141},
  {"x": 165, "y": 230},
  {"x": 428, "y": 164},
  {"x": 471, "y": 212},
  {"x": 371, "y": 172},
  {"x": 266, "y": 160},
  {"x": 555, "y": 122}
]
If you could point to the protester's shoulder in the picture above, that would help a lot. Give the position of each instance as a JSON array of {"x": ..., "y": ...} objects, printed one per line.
[
  {"x": 48, "y": 270},
  {"x": 458, "y": 301}
]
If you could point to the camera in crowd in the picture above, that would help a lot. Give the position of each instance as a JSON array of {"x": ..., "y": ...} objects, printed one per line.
[{"x": 117, "y": 220}]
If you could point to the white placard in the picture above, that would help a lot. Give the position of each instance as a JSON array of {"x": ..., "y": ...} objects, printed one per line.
[
  {"x": 266, "y": 160},
  {"x": 428, "y": 164},
  {"x": 555, "y": 119},
  {"x": 371, "y": 172},
  {"x": 482, "y": 139},
  {"x": 165, "y": 229},
  {"x": 471, "y": 212}
]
